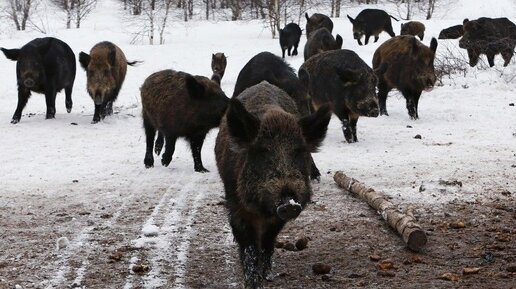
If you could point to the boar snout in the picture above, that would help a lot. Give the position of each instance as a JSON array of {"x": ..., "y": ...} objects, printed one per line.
[
  {"x": 289, "y": 210},
  {"x": 29, "y": 83}
]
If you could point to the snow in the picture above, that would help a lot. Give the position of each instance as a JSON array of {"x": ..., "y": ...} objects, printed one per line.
[{"x": 468, "y": 131}]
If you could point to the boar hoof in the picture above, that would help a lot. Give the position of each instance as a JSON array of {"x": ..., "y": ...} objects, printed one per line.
[
  {"x": 15, "y": 120},
  {"x": 165, "y": 161},
  {"x": 68, "y": 110},
  {"x": 201, "y": 170},
  {"x": 384, "y": 112},
  {"x": 50, "y": 116},
  {"x": 288, "y": 211}
]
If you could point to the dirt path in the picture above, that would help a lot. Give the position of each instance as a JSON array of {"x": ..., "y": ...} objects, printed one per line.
[{"x": 177, "y": 237}]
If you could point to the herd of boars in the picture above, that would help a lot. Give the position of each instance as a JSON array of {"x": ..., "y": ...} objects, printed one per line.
[{"x": 275, "y": 119}]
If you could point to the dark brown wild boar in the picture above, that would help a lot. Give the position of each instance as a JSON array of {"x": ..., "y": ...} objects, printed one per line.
[
  {"x": 263, "y": 157},
  {"x": 341, "y": 78},
  {"x": 317, "y": 21},
  {"x": 105, "y": 67},
  {"x": 414, "y": 28},
  {"x": 218, "y": 66},
  {"x": 321, "y": 40},
  {"x": 489, "y": 36},
  {"x": 371, "y": 22},
  {"x": 411, "y": 70},
  {"x": 177, "y": 104}
]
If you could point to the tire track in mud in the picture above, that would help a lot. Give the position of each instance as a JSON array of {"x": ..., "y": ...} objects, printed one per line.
[{"x": 83, "y": 246}]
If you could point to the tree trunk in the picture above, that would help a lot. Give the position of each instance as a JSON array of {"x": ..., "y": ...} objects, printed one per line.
[
  {"x": 337, "y": 8},
  {"x": 404, "y": 224}
]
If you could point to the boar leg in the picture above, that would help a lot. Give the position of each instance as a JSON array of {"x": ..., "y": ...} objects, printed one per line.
[
  {"x": 96, "y": 114},
  {"x": 268, "y": 242},
  {"x": 507, "y": 55},
  {"x": 50, "y": 97},
  {"x": 23, "y": 97},
  {"x": 295, "y": 50},
  {"x": 158, "y": 145},
  {"x": 416, "y": 103},
  {"x": 170, "y": 146},
  {"x": 249, "y": 254},
  {"x": 196, "y": 143},
  {"x": 150, "y": 133},
  {"x": 68, "y": 101},
  {"x": 367, "y": 38},
  {"x": 376, "y": 37},
  {"x": 411, "y": 103},
  {"x": 383, "y": 90},
  {"x": 353, "y": 126},
  {"x": 283, "y": 52},
  {"x": 389, "y": 30},
  {"x": 490, "y": 59},
  {"x": 346, "y": 130},
  {"x": 108, "y": 110},
  {"x": 315, "y": 174},
  {"x": 360, "y": 42}
]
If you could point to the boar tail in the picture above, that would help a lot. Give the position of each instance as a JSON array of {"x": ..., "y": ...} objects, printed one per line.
[
  {"x": 394, "y": 18},
  {"x": 133, "y": 63}
]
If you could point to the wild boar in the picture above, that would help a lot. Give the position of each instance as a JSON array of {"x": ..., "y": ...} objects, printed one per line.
[
  {"x": 177, "y": 104},
  {"x": 289, "y": 37},
  {"x": 414, "y": 28},
  {"x": 343, "y": 80},
  {"x": 317, "y": 21},
  {"x": 452, "y": 32},
  {"x": 266, "y": 66},
  {"x": 263, "y": 158},
  {"x": 321, "y": 40},
  {"x": 218, "y": 66},
  {"x": 411, "y": 70},
  {"x": 105, "y": 68},
  {"x": 489, "y": 36},
  {"x": 371, "y": 22},
  {"x": 44, "y": 65}
]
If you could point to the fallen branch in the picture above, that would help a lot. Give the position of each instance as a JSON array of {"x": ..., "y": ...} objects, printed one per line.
[{"x": 404, "y": 224}]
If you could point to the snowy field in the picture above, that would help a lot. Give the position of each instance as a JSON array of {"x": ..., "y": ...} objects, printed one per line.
[{"x": 68, "y": 178}]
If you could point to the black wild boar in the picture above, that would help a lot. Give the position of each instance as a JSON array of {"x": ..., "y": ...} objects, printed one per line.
[
  {"x": 218, "y": 66},
  {"x": 44, "y": 65},
  {"x": 317, "y": 21},
  {"x": 343, "y": 80},
  {"x": 489, "y": 36},
  {"x": 371, "y": 22},
  {"x": 411, "y": 70},
  {"x": 266, "y": 66},
  {"x": 105, "y": 68},
  {"x": 177, "y": 104},
  {"x": 289, "y": 37},
  {"x": 321, "y": 40},
  {"x": 263, "y": 157},
  {"x": 414, "y": 28},
  {"x": 452, "y": 32}
]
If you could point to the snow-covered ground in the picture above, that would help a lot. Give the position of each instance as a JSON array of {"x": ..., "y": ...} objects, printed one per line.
[{"x": 467, "y": 126}]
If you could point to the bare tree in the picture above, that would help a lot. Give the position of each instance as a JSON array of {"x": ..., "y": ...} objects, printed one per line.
[
  {"x": 19, "y": 11},
  {"x": 76, "y": 10}
]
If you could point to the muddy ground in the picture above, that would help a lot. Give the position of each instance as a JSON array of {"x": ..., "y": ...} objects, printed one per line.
[{"x": 194, "y": 248}]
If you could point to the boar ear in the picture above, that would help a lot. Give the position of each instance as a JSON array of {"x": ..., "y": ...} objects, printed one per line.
[
  {"x": 433, "y": 45},
  {"x": 351, "y": 19},
  {"x": 414, "y": 47},
  {"x": 304, "y": 76},
  {"x": 382, "y": 69},
  {"x": 84, "y": 60},
  {"x": 195, "y": 89},
  {"x": 11, "y": 54},
  {"x": 314, "y": 127},
  {"x": 307, "y": 18},
  {"x": 112, "y": 56},
  {"x": 339, "y": 41},
  {"x": 242, "y": 126},
  {"x": 347, "y": 76},
  {"x": 466, "y": 20},
  {"x": 212, "y": 56}
]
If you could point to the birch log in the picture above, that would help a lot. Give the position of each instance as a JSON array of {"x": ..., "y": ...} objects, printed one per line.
[{"x": 404, "y": 224}]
